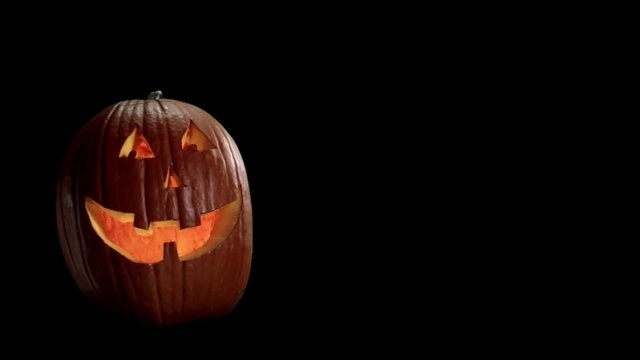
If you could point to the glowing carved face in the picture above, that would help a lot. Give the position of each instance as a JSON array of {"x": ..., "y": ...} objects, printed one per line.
[{"x": 116, "y": 228}]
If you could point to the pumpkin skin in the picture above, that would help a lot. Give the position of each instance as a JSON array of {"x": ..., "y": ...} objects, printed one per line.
[{"x": 167, "y": 288}]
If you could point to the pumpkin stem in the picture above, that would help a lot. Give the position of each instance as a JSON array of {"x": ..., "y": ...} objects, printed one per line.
[{"x": 155, "y": 95}]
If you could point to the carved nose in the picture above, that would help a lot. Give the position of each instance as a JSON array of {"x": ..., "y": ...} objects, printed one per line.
[{"x": 172, "y": 180}]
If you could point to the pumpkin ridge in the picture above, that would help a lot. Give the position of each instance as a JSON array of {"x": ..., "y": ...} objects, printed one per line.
[
  {"x": 83, "y": 250},
  {"x": 187, "y": 116},
  {"x": 143, "y": 181},
  {"x": 175, "y": 194},
  {"x": 102, "y": 153},
  {"x": 156, "y": 285},
  {"x": 78, "y": 264}
]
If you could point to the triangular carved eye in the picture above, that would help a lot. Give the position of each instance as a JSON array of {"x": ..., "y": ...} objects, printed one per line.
[
  {"x": 136, "y": 142},
  {"x": 194, "y": 137}
]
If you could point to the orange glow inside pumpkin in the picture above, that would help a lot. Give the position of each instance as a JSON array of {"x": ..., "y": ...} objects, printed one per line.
[
  {"x": 147, "y": 246},
  {"x": 138, "y": 143},
  {"x": 172, "y": 180}
]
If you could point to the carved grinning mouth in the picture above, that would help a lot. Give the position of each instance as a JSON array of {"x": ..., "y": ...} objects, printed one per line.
[{"x": 116, "y": 229}]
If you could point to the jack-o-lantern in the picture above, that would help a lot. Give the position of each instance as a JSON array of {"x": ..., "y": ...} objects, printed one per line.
[{"x": 154, "y": 212}]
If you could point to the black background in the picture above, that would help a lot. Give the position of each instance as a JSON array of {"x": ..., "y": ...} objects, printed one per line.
[
  {"x": 365, "y": 133},
  {"x": 318, "y": 100},
  {"x": 310, "y": 133}
]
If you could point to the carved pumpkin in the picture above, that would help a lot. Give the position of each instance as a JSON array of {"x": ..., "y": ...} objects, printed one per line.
[{"x": 154, "y": 213}]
